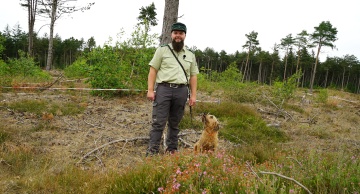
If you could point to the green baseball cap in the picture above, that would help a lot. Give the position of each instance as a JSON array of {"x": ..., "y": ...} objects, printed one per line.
[{"x": 178, "y": 26}]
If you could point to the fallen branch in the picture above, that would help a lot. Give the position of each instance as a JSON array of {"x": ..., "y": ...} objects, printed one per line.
[
  {"x": 279, "y": 109},
  {"x": 112, "y": 142},
  {"x": 131, "y": 140},
  {"x": 185, "y": 143},
  {"x": 350, "y": 101},
  {"x": 311, "y": 120},
  {"x": 288, "y": 178},
  {"x": 51, "y": 84},
  {"x": 257, "y": 176}
]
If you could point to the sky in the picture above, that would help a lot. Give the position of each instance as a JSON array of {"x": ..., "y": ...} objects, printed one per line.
[{"x": 220, "y": 25}]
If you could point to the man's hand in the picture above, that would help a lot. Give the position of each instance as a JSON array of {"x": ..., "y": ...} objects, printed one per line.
[
  {"x": 192, "y": 101},
  {"x": 151, "y": 95}
]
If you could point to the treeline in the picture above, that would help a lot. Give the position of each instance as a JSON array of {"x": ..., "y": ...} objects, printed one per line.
[
  {"x": 65, "y": 51},
  {"x": 256, "y": 65},
  {"x": 264, "y": 68}
]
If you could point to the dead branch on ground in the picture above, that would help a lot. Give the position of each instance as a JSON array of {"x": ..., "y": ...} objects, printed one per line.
[
  {"x": 311, "y": 120},
  {"x": 280, "y": 110},
  {"x": 51, "y": 84},
  {"x": 288, "y": 178},
  {"x": 257, "y": 176},
  {"x": 129, "y": 140},
  {"x": 109, "y": 143},
  {"x": 185, "y": 143},
  {"x": 350, "y": 101}
]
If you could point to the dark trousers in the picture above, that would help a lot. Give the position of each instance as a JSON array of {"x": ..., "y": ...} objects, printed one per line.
[{"x": 168, "y": 107}]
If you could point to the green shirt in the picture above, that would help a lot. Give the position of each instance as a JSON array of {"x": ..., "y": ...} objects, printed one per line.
[{"x": 169, "y": 69}]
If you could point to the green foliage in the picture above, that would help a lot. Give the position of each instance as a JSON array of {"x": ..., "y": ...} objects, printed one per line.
[
  {"x": 322, "y": 96},
  {"x": 123, "y": 66},
  {"x": 285, "y": 90},
  {"x": 2, "y": 41},
  {"x": 241, "y": 123},
  {"x": 32, "y": 106},
  {"x": 145, "y": 178},
  {"x": 79, "y": 69},
  {"x": 23, "y": 68},
  {"x": 231, "y": 77}
]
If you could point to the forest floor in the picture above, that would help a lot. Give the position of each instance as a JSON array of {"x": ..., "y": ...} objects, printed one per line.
[{"x": 114, "y": 132}]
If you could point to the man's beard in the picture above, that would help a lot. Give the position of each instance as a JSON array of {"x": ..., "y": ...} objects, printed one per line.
[{"x": 177, "y": 45}]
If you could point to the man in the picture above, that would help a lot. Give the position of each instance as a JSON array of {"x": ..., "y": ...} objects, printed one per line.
[{"x": 168, "y": 88}]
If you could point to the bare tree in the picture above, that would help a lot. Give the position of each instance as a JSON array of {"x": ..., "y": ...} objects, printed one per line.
[
  {"x": 31, "y": 6},
  {"x": 170, "y": 17},
  {"x": 54, "y": 9}
]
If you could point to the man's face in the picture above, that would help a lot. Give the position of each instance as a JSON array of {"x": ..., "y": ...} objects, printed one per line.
[{"x": 178, "y": 36}]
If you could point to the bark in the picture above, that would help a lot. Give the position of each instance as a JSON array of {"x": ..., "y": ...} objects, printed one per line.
[
  {"x": 343, "y": 80},
  {"x": 246, "y": 64},
  {"x": 51, "y": 37},
  {"x": 286, "y": 57},
  {"x": 260, "y": 73},
  {"x": 297, "y": 67},
  {"x": 326, "y": 78},
  {"x": 314, "y": 70},
  {"x": 358, "y": 88},
  {"x": 32, "y": 6},
  {"x": 170, "y": 17},
  {"x": 271, "y": 72}
]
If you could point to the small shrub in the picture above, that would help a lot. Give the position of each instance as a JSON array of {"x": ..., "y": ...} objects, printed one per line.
[
  {"x": 323, "y": 95},
  {"x": 79, "y": 69},
  {"x": 286, "y": 89}
]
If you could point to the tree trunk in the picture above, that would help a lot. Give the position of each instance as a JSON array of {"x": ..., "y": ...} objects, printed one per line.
[
  {"x": 326, "y": 77},
  {"x": 348, "y": 78},
  {"x": 286, "y": 56},
  {"x": 170, "y": 17},
  {"x": 358, "y": 88},
  {"x": 297, "y": 67},
  {"x": 271, "y": 72},
  {"x": 32, "y": 4},
  {"x": 343, "y": 80},
  {"x": 314, "y": 70},
  {"x": 51, "y": 37},
  {"x": 260, "y": 73},
  {"x": 246, "y": 65}
]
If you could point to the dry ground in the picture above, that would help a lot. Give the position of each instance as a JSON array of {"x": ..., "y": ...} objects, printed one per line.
[{"x": 68, "y": 139}]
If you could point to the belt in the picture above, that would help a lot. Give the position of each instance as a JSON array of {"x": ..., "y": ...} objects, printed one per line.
[{"x": 170, "y": 85}]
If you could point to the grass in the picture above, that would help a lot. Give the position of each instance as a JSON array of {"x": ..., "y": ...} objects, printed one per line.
[
  {"x": 251, "y": 148},
  {"x": 39, "y": 107}
]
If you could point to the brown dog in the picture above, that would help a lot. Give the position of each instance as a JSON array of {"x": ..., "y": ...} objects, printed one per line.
[{"x": 209, "y": 138}]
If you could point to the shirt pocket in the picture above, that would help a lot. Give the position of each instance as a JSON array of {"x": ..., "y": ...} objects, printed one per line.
[
  {"x": 168, "y": 61},
  {"x": 187, "y": 64}
]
